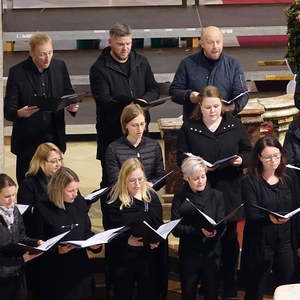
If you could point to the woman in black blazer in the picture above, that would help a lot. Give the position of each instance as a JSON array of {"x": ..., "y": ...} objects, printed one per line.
[
  {"x": 130, "y": 260},
  {"x": 134, "y": 144},
  {"x": 199, "y": 248},
  {"x": 270, "y": 243},
  {"x": 214, "y": 134},
  {"x": 65, "y": 273},
  {"x": 12, "y": 231}
]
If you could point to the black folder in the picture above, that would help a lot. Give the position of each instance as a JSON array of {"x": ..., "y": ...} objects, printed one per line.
[
  {"x": 277, "y": 214},
  {"x": 54, "y": 104},
  {"x": 159, "y": 183},
  {"x": 151, "y": 235},
  {"x": 199, "y": 219},
  {"x": 95, "y": 195},
  {"x": 152, "y": 103}
]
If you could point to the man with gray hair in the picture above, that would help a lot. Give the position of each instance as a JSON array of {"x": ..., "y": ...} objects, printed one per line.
[
  {"x": 210, "y": 66},
  {"x": 40, "y": 75},
  {"x": 118, "y": 77}
]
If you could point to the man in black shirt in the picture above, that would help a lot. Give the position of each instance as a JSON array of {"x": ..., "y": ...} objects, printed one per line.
[
  {"x": 118, "y": 77},
  {"x": 38, "y": 75}
]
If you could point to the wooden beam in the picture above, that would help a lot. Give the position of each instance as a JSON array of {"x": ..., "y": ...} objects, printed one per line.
[
  {"x": 279, "y": 77},
  {"x": 277, "y": 62}
]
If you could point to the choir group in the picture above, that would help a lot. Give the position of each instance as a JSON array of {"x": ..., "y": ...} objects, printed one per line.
[{"x": 224, "y": 180}]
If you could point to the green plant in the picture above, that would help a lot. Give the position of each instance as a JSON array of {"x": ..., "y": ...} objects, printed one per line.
[{"x": 293, "y": 30}]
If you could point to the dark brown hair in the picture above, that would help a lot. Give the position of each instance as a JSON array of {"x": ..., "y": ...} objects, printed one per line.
[
  {"x": 209, "y": 91},
  {"x": 5, "y": 181},
  {"x": 256, "y": 166}
]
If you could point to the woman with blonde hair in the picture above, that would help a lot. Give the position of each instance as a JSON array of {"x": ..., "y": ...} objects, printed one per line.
[
  {"x": 65, "y": 267},
  {"x": 134, "y": 144},
  {"x": 46, "y": 160},
  {"x": 130, "y": 260}
]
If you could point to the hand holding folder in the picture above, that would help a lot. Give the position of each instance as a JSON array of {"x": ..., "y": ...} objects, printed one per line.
[
  {"x": 145, "y": 104},
  {"x": 276, "y": 214},
  {"x": 151, "y": 235},
  {"x": 202, "y": 220},
  {"x": 97, "y": 239},
  {"x": 42, "y": 248},
  {"x": 54, "y": 104}
]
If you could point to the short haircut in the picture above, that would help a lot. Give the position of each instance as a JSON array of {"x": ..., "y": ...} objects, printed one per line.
[
  {"x": 120, "y": 190},
  {"x": 130, "y": 112},
  {"x": 209, "y": 91},
  {"x": 256, "y": 166},
  {"x": 39, "y": 39},
  {"x": 119, "y": 30},
  {"x": 192, "y": 165},
  {"x": 58, "y": 182},
  {"x": 6, "y": 181},
  {"x": 40, "y": 157}
]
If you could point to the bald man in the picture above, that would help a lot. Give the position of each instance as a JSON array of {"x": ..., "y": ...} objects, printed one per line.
[{"x": 210, "y": 66}]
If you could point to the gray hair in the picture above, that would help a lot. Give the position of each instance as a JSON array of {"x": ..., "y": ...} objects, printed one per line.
[
  {"x": 119, "y": 30},
  {"x": 192, "y": 165}
]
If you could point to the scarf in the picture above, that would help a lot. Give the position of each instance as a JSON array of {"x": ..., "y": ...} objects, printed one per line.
[{"x": 7, "y": 214}]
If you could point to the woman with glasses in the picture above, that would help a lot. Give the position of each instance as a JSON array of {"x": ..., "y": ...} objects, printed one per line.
[
  {"x": 134, "y": 144},
  {"x": 65, "y": 273},
  {"x": 199, "y": 248},
  {"x": 46, "y": 160},
  {"x": 214, "y": 134},
  {"x": 270, "y": 243},
  {"x": 132, "y": 262}
]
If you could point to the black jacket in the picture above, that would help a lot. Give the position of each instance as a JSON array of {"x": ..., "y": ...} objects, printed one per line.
[
  {"x": 148, "y": 152},
  {"x": 192, "y": 239},
  {"x": 28, "y": 133},
  {"x": 259, "y": 232},
  {"x": 113, "y": 90},
  {"x": 11, "y": 262},
  {"x": 291, "y": 144},
  {"x": 33, "y": 190},
  {"x": 68, "y": 273},
  {"x": 229, "y": 139},
  {"x": 194, "y": 73}
]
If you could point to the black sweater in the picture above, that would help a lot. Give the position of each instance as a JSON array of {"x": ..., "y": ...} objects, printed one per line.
[
  {"x": 230, "y": 138},
  {"x": 192, "y": 239},
  {"x": 148, "y": 152}
]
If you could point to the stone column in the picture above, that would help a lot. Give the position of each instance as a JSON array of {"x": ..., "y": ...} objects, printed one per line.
[{"x": 1, "y": 95}]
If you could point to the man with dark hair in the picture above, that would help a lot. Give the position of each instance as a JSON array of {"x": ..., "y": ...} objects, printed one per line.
[
  {"x": 38, "y": 75},
  {"x": 118, "y": 77},
  {"x": 210, "y": 66}
]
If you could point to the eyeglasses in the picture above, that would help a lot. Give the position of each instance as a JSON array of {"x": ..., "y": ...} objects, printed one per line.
[
  {"x": 136, "y": 180},
  {"x": 270, "y": 157},
  {"x": 55, "y": 161}
]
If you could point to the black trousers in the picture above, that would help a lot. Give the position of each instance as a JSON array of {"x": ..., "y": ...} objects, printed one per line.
[
  {"x": 139, "y": 275},
  {"x": 13, "y": 288},
  {"x": 194, "y": 267},
  {"x": 280, "y": 260},
  {"x": 230, "y": 255}
]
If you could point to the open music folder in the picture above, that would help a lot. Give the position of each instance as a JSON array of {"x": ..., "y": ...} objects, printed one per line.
[
  {"x": 97, "y": 239},
  {"x": 151, "y": 235},
  {"x": 277, "y": 214},
  {"x": 94, "y": 196},
  {"x": 219, "y": 163},
  {"x": 202, "y": 220}
]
